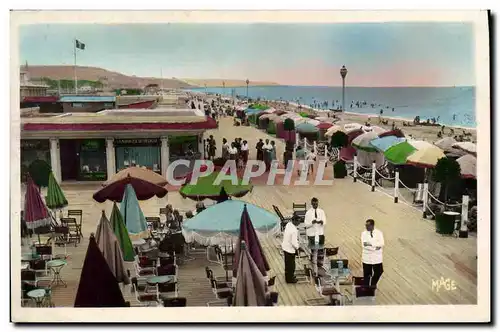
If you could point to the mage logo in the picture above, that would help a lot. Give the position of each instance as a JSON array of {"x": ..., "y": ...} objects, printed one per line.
[{"x": 443, "y": 284}]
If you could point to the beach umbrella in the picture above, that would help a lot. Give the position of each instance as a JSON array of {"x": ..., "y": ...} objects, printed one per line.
[
  {"x": 143, "y": 190},
  {"x": 98, "y": 286},
  {"x": 55, "y": 197},
  {"x": 249, "y": 236},
  {"x": 138, "y": 173},
  {"x": 111, "y": 250},
  {"x": 223, "y": 196},
  {"x": 467, "y": 166},
  {"x": 352, "y": 127},
  {"x": 332, "y": 130},
  {"x": 220, "y": 222},
  {"x": 351, "y": 135},
  {"x": 306, "y": 128},
  {"x": 250, "y": 288},
  {"x": 324, "y": 126},
  {"x": 35, "y": 212},
  {"x": 362, "y": 142},
  {"x": 313, "y": 122},
  {"x": 384, "y": 143},
  {"x": 121, "y": 232},
  {"x": 267, "y": 116},
  {"x": 375, "y": 129},
  {"x": 426, "y": 156},
  {"x": 446, "y": 144},
  {"x": 347, "y": 153},
  {"x": 132, "y": 215},
  {"x": 206, "y": 187},
  {"x": 303, "y": 114},
  {"x": 468, "y": 147},
  {"x": 397, "y": 154},
  {"x": 280, "y": 113},
  {"x": 395, "y": 132}
]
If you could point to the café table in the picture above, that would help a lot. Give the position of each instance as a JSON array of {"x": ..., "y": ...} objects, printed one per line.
[
  {"x": 336, "y": 274},
  {"x": 38, "y": 295},
  {"x": 29, "y": 257},
  {"x": 138, "y": 242},
  {"x": 156, "y": 280},
  {"x": 56, "y": 266}
]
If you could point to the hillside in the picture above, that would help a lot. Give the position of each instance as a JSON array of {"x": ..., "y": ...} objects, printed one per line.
[
  {"x": 228, "y": 83},
  {"x": 110, "y": 79}
]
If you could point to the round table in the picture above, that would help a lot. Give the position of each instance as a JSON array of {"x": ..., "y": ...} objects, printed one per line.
[
  {"x": 138, "y": 242},
  {"x": 38, "y": 295},
  {"x": 29, "y": 257},
  {"x": 56, "y": 266},
  {"x": 153, "y": 281}
]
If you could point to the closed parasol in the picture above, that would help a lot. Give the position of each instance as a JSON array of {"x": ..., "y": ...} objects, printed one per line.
[
  {"x": 249, "y": 236},
  {"x": 250, "y": 288},
  {"x": 133, "y": 216},
  {"x": 467, "y": 166},
  {"x": 35, "y": 212},
  {"x": 121, "y": 232},
  {"x": 55, "y": 197},
  {"x": 143, "y": 190},
  {"x": 98, "y": 286},
  {"x": 111, "y": 250},
  {"x": 138, "y": 173}
]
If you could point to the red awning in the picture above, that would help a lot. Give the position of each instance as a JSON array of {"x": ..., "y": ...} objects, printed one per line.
[
  {"x": 41, "y": 99},
  {"x": 208, "y": 124}
]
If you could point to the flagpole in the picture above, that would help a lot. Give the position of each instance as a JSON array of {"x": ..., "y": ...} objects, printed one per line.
[{"x": 76, "y": 81}]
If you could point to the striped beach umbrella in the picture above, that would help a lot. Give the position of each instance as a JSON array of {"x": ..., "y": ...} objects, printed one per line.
[
  {"x": 362, "y": 142},
  {"x": 55, "y": 197}
]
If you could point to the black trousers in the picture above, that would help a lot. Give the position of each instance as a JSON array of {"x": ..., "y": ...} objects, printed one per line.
[
  {"x": 372, "y": 274},
  {"x": 289, "y": 266}
]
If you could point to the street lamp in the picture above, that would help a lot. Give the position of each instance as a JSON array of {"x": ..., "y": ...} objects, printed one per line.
[
  {"x": 343, "y": 73},
  {"x": 247, "y": 81}
]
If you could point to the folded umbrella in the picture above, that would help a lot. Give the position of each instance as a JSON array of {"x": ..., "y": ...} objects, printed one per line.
[
  {"x": 111, "y": 250},
  {"x": 250, "y": 288},
  {"x": 121, "y": 232},
  {"x": 55, "y": 197},
  {"x": 133, "y": 216},
  {"x": 98, "y": 286}
]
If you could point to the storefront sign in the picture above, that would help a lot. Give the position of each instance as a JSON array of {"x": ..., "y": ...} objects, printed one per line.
[
  {"x": 34, "y": 144},
  {"x": 137, "y": 142},
  {"x": 92, "y": 145}
]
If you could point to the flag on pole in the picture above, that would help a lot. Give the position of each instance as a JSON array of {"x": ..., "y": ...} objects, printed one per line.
[{"x": 80, "y": 45}]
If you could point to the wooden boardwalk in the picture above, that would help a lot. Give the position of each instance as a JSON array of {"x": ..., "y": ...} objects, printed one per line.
[{"x": 414, "y": 255}]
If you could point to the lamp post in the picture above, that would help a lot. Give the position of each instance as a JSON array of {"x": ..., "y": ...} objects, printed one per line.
[
  {"x": 247, "y": 81},
  {"x": 343, "y": 73},
  {"x": 223, "y": 87}
]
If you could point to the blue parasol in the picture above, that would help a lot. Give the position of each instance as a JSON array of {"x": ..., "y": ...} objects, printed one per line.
[
  {"x": 132, "y": 215},
  {"x": 384, "y": 143},
  {"x": 220, "y": 222}
]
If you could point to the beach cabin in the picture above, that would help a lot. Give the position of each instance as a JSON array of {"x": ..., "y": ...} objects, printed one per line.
[
  {"x": 94, "y": 146},
  {"x": 86, "y": 104}
]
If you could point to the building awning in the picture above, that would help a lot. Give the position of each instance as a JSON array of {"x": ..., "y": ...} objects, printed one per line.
[
  {"x": 41, "y": 99},
  {"x": 208, "y": 123}
]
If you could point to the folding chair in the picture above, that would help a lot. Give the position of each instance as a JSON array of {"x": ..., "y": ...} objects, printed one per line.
[
  {"x": 73, "y": 230},
  {"x": 77, "y": 213},
  {"x": 144, "y": 298},
  {"x": 175, "y": 302},
  {"x": 299, "y": 210},
  {"x": 284, "y": 220}
]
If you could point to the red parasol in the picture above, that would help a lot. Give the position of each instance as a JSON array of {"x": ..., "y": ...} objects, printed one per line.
[
  {"x": 395, "y": 132},
  {"x": 353, "y": 134},
  {"x": 143, "y": 189},
  {"x": 324, "y": 125},
  {"x": 35, "y": 212}
]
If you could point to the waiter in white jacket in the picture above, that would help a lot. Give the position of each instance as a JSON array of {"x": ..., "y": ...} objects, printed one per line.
[
  {"x": 372, "y": 241},
  {"x": 290, "y": 245},
  {"x": 315, "y": 220}
]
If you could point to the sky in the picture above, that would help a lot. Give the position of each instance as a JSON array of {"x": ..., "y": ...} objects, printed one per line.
[{"x": 375, "y": 54}]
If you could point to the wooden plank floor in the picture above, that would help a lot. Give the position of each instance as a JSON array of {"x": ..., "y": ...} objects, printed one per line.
[{"x": 414, "y": 255}]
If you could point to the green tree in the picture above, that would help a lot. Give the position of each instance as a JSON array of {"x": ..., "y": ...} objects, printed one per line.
[
  {"x": 447, "y": 171},
  {"x": 339, "y": 139}
]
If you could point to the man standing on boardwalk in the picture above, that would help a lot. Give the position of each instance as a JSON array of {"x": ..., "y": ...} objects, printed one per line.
[
  {"x": 290, "y": 245},
  {"x": 314, "y": 221},
  {"x": 372, "y": 241}
]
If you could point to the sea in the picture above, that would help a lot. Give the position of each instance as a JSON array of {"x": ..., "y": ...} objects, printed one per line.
[{"x": 453, "y": 106}]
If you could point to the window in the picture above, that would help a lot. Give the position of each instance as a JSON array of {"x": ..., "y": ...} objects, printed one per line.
[{"x": 78, "y": 105}]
